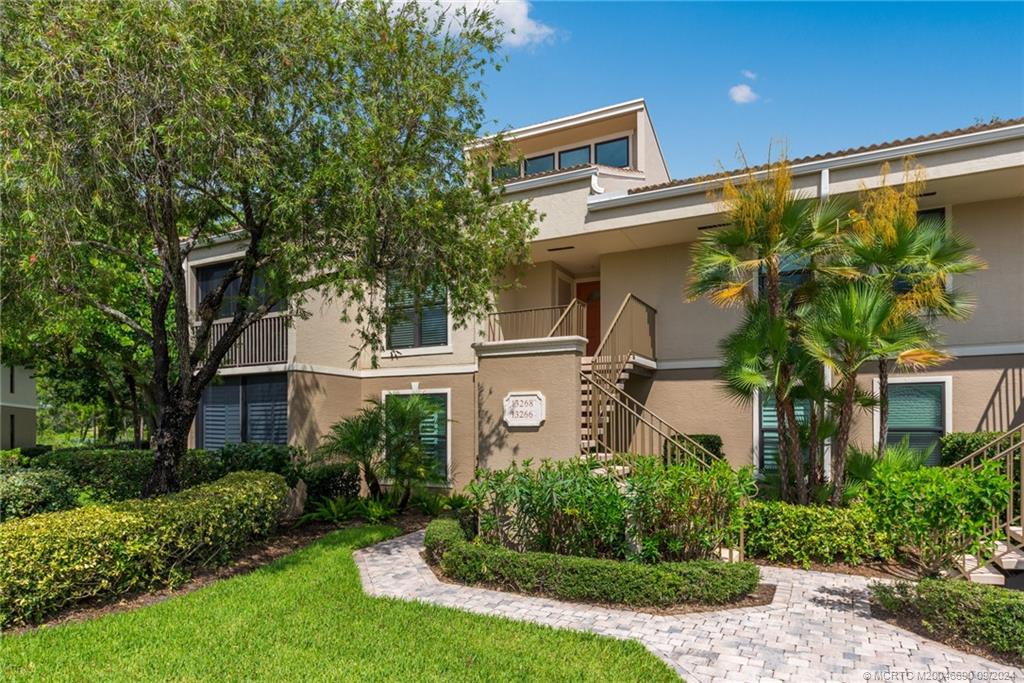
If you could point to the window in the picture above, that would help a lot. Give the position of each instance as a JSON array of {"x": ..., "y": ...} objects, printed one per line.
[
  {"x": 613, "y": 153},
  {"x": 574, "y": 157},
  {"x": 931, "y": 214},
  {"x": 411, "y": 326},
  {"x": 505, "y": 171},
  {"x": 540, "y": 164},
  {"x": 434, "y": 429},
  {"x": 208, "y": 277},
  {"x": 917, "y": 413},
  {"x": 768, "y": 451},
  {"x": 251, "y": 408}
]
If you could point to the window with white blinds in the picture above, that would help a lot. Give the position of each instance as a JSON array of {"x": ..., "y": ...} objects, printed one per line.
[
  {"x": 413, "y": 326},
  {"x": 768, "y": 453},
  {"x": 917, "y": 413},
  {"x": 251, "y": 408}
]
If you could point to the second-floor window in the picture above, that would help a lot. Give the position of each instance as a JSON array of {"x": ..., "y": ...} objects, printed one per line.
[
  {"x": 541, "y": 164},
  {"x": 413, "y": 326},
  {"x": 209, "y": 277},
  {"x": 612, "y": 153}
]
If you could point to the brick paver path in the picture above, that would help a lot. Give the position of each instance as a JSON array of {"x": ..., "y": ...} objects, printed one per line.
[{"x": 817, "y": 628}]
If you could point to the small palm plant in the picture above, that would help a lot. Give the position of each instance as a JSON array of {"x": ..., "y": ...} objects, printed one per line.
[{"x": 360, "y": 439}]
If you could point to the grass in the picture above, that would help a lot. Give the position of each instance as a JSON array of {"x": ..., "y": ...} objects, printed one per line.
[{"x": 306, "y": 617}]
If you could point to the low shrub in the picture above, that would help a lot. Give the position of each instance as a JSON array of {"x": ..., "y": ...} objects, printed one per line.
[
  {"x": 958, "y": 445},
  {"x": 587, "y": 579},
  {"x": 103, "y": 475},
  {"x": 198, "y": 466},
  {"x": 988, "y": 617},
  {"x": 934, "y": 514},
  {"x": 803, "y": 534},
  {"x": 331, "y": 480},
  {"x": 711, "y": 442},
  {"x": 266, "y": 457},
  {"x": 11, "y": 458},
  {"x": 53, "y": 560},
  {"x": 29, "y": 492}
]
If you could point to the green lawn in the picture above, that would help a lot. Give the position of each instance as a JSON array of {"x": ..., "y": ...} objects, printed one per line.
[{"x": 305, "y": 617}]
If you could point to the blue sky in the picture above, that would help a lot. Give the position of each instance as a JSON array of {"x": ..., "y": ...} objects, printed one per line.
[{"x": 819, "y": 76}]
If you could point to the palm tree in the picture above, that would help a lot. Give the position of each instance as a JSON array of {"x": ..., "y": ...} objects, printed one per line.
[
  {"x": 747, "y": 263},
  {"x": 845, "y": 327},
  {"x": 360, "y": 440},
  {"x": 912, "y": 258}
]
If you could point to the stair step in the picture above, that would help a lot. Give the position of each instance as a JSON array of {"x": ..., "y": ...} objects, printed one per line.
[
  {"x": 984, "y": 574},
  {"x": 617, "y": 470},
  {"x": 1017, "y": 533},
  {"x": 1008, "y": 558}
]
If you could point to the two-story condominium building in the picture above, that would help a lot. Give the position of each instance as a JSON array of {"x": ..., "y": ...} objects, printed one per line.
[
  {"x": 18, "y": 404},
  {"x": 607, "y": 283}
]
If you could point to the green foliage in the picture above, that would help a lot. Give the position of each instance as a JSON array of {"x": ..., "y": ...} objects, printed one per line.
[
  {"x": 429, "y": 504},
  {"x": 958, "y": 445},
  {"x": 331, "y": 480},
  {"x": 662, "y": 513},
  {"x": 803, "y": 534},
  {"x": 265, "y": 457},
  {"x": 12, "y": 458},
  {"x": 988, "y": 617},
  {"x": 376, "y": 511},
  {"x": 103, "y": 475},
  {"x": 711, "y": 442},
  {"x": 587, "y": 579},
  {"x": 862, "y": 466},
  {"x": 934, "y": 514},
  {"x": 333, "y": 510},
  {"x": 54, "y": 560},
  {"x": 308, "y": 608},
  {"x": 29, "y": 492},
  {"x": 685, "y": 512}
]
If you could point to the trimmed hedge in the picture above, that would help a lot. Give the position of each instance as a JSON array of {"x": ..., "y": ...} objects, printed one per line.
[
  {"x": 29, "y": 492},
  {"x": 989, "y": 617},
  {"x": 958, "y": 445},
  {"x": 803, "y": 534},
  {"x": 587, "y": 579},
  {"x": 331, "y": 481},
  {"x": 54, "y": 560}
]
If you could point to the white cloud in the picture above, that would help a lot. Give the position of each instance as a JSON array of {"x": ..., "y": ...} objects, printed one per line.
[
  {"x": 742, "y": 94},
  {"x": 519, "y": 27},
  {"x": 749, "y": 75}
]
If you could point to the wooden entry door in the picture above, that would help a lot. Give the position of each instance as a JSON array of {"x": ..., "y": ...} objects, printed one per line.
[{"x": 590, "y": 294}]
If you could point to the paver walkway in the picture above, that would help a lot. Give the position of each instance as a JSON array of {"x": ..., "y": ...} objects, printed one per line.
[{"x": 817, "y": 628}]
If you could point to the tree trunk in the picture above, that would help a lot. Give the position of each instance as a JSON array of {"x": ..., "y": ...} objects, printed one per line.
[
  {"x": 372, "y": 485},
  {"x": 814, "y": 473},
  {"x": 883, "y": 405},
  {"x": 171, "y": 438},
  {"x": 842, "y": 440},
  {"x": 783, "y": 464}
]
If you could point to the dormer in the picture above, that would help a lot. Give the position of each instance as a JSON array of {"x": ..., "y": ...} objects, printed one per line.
[{"x": 616, "y": 143}]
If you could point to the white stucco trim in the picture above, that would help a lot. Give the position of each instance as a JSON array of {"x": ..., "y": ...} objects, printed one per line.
[
  {"x": 689, "y": 363},
  {"x": 411, "y": 371},
  {"x": 998, "y": 349},
  {"x": 860, "y": 158},
  {"x": 445, "y": 349},
  {"x": 530, "y": 347},
  {"x": 8, "y": 404},
  {"x": 756, "y": 450},
  {"x": 415, "y": 389},
  {"x": 553, "y": 179},
  {"x": 570, "y": 121},
  {"x": 947, "y": 398}
]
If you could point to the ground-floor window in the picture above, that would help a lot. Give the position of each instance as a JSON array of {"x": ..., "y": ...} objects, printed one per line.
[
  {"x": 244, "y": 408},
  {"x": 434, "y": 429},
  {"x": 917, "y": 413},
  {"x": 768, "y": 446}
]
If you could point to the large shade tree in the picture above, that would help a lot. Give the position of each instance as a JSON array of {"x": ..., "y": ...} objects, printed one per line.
[{"x": 325, "y": 140}]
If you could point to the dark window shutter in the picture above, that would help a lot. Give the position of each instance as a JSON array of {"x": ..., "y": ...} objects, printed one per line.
[
  {"x": 266, "y": 403},
  {"x": 221, "y": 414}
]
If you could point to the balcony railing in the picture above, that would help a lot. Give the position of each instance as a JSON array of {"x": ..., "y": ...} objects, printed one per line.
[
  {"x": 535, "y": 323},
  {"x": 265, "y": 342}
]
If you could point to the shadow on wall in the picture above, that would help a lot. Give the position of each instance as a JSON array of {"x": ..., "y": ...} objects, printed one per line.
[
  {"x": 493, "y": 434},
  {"x": 301, "y": 418},
  {"x": 1005, "y": 408}
]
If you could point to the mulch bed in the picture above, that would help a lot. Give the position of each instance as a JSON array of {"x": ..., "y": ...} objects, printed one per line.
[
  {"x": 764, "y": 594},
  {"x": 871, "y": 570},
  {"x": 285, "y": 541},
  {"x": 915, "y": 626}
]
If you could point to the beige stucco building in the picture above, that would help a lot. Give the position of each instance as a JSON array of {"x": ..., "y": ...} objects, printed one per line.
[
  {"x": 610, "y": 264},
  {"x": 18, "y": 404}
]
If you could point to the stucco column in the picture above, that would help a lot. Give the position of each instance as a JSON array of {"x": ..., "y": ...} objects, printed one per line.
[{"x": 549, "y": 366}]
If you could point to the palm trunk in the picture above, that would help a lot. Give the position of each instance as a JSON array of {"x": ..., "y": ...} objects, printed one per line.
[
  {"x": 814, "y": 473},
  {"x": 842, "y": 440},
  {"x": 883, "y": 405}
]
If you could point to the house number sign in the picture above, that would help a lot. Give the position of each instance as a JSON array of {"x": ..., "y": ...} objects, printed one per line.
[{"x": 524, "y": 409}]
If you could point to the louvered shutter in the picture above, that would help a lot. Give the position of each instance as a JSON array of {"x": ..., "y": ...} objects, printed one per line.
[
  {"x": 222, "y": 415},
  {"x": 916, "y": 414},
  {"x": 770, "y": 430},
  {"x": 266, "y": 403},
  {"x": 434, "y": 433}
]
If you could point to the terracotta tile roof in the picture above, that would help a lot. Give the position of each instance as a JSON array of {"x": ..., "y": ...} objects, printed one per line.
[
  {"x": 555, "y": 171},
  {"x": 839, "y": 153}
]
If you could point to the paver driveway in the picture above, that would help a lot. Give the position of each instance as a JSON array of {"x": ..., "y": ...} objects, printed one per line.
[{"x": 817, "y": 628}]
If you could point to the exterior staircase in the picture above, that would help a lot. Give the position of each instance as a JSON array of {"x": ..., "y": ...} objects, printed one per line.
[{"x": 999, "y": 558}]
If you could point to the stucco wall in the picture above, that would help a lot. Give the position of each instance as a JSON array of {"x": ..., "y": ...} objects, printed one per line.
[
  {"x": 316, "y": 401},
  {"x": 556, "y": 375},
  {"x": 685, "y": 330},
  {"x": 24, "y": 427},
  {"x": 997, "y": 230},
  {"x": 24, "y": 394}
]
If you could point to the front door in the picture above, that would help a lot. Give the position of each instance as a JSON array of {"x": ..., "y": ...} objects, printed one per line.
[{"x": 590, "y": 294}]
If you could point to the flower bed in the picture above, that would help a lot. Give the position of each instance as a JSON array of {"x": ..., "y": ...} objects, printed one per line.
[{"x": 586, "y": 579}]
